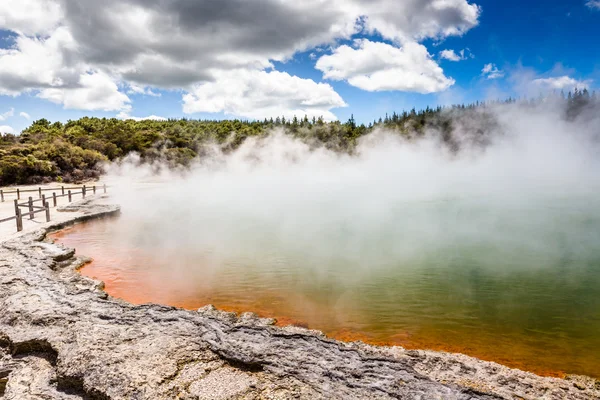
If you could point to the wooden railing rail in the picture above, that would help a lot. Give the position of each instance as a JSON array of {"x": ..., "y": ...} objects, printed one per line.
[
  {"x": 32, "y": 209},
  {"x": 8, "y": 219},
  {"x": 39, "y": 190}
]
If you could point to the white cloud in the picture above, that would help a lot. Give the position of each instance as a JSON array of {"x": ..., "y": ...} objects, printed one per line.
[
  {"x": 34, "y": 63},
  {"x": 416, "y": 19},
  {"x": 490, "y": 71},
  {"x": 96, "y": 91},
  {"x": 125, "y": 115},
  {"x": 29, "y": 17},
  {"x": 6, "y": 129},
  {"x": 174, "y": 44},
  {"x": 24, "y": 115},
  {"x": 376, "y": 66},
  {"x": 262, "y": 94},
  {"x": 593, "y": 4},
  {"x": 560, "y": 83},
  {"x": 142, "y": 45},
  {"x": 451, "y": 55},
  {"x": 7, "y": 114},
  {"x": 146, "y": 91}
]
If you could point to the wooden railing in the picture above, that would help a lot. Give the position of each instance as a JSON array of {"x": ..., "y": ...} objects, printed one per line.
[{"x": 32, "y": 209}]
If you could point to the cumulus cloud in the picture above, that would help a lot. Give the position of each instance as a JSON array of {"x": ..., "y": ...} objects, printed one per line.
[
  {"x": 417, "y": 19},
  {"x": 145, "y": 91},
  {"x": 24, "y": 115},
  {"x": 34, "y": 63},
  {"x": 165, "y": 43},
  {"x": 593, "y": 4},
  {"x": 560, "y": 83},
  {"x": 95, "y": 91},
  {"x": 7, "y": 114},
  {"x": 125, "y": 115},
  {"x": 376, "y": 66},
  {"x": 6, "y": 129},
  {"x": 451, "y": 55},
  {"x": 180, "y": 44},
  {"x": 162, "y": 43},
  {"x": 263, "y": 94},
  {"x": 30, "y": 17},
  {"x": 490, "y": 71}
]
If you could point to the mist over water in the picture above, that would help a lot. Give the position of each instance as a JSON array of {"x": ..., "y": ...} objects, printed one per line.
[
  {"x": 392, "y": 202},
  {"x": 404, "y": 241}
]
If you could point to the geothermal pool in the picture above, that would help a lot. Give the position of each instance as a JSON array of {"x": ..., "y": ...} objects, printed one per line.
[{"x": 519, "y": 285}]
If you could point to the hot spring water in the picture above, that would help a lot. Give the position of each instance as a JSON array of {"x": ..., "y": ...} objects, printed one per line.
[{"x": 517, "y": 283}]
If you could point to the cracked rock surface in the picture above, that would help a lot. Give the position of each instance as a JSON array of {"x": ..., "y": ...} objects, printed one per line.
[{"x": 62, "y": 337}]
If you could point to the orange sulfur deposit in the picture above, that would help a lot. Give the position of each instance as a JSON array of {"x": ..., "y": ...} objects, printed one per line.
[{"x": 135, "y": 276}]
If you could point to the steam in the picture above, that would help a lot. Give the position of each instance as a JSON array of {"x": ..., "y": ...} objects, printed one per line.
[{"x": 527, "y": 198}]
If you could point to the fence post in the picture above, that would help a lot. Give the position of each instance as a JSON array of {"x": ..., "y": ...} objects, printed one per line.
[
  {"x": 94, "y": 189},
  {"x": 83, "y": 191},
  {"x": 16, "y": 206},
  {"x": 19, "y": 219},
  {"x": 18, "y": 194},
  {"x": 30, "y": 208},
  {"x": 2, "y": 194},
  {"x": 63, "y": 190},
  {"x": 47, "y": 211},
  {"x": 69, "y": 196},
  {"x": 54, "y": 198},
  {"x": 40, "y": 192},
  {"x": 104, "y": 188}
]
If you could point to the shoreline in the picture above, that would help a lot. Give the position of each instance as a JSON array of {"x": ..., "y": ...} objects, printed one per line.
[
  {"x": 343, "y": 335},
  {"x": 73, "y": 337},
  {"x": 112, "y": 268}
]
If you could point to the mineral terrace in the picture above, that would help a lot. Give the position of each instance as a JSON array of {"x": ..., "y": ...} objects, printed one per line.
[{"x": 62, "y": 337}]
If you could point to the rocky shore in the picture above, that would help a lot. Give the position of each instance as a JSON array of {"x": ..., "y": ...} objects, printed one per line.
[{"x": 63, "y": 337}]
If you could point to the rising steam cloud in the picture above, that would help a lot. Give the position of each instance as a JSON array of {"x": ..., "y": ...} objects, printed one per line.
[{"x": 527, "y": 197}]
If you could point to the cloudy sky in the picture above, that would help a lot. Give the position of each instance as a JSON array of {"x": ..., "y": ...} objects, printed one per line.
[{"x": 64, "y": 59}]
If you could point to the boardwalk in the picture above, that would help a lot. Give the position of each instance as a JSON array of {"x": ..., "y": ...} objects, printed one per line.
[{"x": 7, "y": 208}]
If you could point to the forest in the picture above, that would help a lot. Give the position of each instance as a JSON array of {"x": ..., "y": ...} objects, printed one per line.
[{"x": 77, "y": 150}]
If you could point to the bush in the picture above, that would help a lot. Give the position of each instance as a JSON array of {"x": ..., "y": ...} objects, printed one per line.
[{"x": 23, "y": 170}]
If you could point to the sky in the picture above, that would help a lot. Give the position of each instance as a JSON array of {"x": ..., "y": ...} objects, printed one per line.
[{"x": 255, "y": 59}]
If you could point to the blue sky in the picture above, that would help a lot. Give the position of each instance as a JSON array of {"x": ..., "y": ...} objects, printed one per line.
[{"x": 252, "y": 62}]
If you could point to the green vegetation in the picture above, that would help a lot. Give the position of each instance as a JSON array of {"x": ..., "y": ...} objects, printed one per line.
[{"x": 77, "y": 150}]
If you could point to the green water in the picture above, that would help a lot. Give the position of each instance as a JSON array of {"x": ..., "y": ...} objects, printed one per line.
[{"x": 519, "y": 285}]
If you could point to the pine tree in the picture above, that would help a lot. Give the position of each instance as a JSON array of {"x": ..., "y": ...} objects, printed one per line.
[{"x": 351, "y": 122}]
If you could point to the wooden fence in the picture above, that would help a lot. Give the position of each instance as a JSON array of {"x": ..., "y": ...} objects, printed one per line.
[{"x": 31, "y": 209}]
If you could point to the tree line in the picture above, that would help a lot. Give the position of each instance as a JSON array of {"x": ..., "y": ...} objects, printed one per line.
[{"x": 76, "y": 150}]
